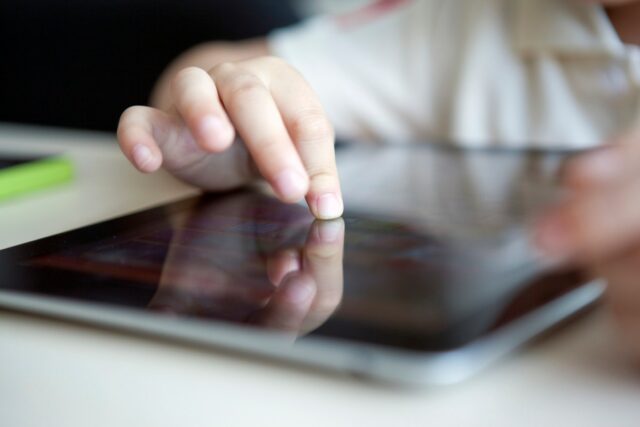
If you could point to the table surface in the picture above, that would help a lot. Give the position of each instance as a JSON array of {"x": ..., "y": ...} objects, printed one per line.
[{"x": 60, "y": 373}]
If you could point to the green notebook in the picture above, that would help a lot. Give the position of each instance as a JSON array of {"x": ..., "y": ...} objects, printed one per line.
[{"x": 19, "y": 176}]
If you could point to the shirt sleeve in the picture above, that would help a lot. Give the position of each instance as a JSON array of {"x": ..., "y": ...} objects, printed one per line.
[{"x": 370, "y": 68}]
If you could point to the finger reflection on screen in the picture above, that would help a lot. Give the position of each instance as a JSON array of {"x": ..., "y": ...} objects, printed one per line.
[{"x": 275, "y": 270}]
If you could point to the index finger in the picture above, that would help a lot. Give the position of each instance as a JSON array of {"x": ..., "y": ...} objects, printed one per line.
[
  {"x": 253, "y": 111},
  {"x": 314, "y": 138}
]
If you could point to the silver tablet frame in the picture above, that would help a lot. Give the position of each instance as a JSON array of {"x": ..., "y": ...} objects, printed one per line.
[{"x": 396, "y": 366}]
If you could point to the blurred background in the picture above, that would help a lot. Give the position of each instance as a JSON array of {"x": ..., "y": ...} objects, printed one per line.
[{"x": 79, "y": 63}]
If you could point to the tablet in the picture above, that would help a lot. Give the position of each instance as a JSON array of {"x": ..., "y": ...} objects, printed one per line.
[{"x": 428, "y": 278}]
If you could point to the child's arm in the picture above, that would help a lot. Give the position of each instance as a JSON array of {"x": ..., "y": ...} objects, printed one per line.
[{"x": 286, "y": 137}]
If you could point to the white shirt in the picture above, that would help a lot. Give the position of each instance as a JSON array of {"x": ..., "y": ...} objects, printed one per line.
[{"x": 547, "y": 73}]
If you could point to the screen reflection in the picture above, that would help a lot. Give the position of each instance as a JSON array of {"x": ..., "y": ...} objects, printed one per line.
[{"x": 277, "y": 269}]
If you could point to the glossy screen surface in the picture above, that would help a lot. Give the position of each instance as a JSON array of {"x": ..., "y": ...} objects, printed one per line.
[{"x": 431, "y": 254}]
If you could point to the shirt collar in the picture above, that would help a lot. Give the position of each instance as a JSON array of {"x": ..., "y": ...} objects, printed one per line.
[{"x": 565, "y": 27}]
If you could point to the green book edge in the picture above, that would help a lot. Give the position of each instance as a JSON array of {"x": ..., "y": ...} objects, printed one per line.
[{"x": 33, "y": 176}]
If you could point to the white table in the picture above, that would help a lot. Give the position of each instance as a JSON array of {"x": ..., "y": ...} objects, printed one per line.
[{"x": 55, "y": 373}]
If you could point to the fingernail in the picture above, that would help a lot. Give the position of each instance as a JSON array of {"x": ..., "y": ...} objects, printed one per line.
[
  {"x": 142, "y": 157},
  {"x": 291, "y": 185},
  {"x": 330, "y": 231},
  {"x": 329, "y": 206},
  {"x": 299, "y": 292},
  {"x": 215, "y": 132},
  {"x": 553, "y": 237},
  {"x": 602, "y": 166}
]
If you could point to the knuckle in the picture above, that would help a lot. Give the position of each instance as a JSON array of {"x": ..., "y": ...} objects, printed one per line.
[
  {"x": 323, "y": 252},
  {"x": 323, "y": 178},
  {"x": 324, "y": 175},
  {"x": 185, "y": 73},
  {"x": 180, "y": 81},
  {"x": 312, "y": 127},
  {"x": 223, "y": 69},
  {"x": 273, "y": 62},
  {"x": 268, "y": 68},
  {"x": 130, "y": 111},
  {"x": 241, "y": 86}
]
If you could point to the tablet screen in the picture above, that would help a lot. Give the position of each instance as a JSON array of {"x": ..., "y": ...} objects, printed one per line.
[{"x": 427, "y": 277}]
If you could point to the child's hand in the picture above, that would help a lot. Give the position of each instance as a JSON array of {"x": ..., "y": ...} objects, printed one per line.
[
  {"x": 286, "y": 137},
  {"x": 599, "y": 226},
  {"x": 601, "y": 218}
]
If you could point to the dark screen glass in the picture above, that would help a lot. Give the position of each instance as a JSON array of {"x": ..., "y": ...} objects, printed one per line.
[{"x": 432, "y": 281}]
